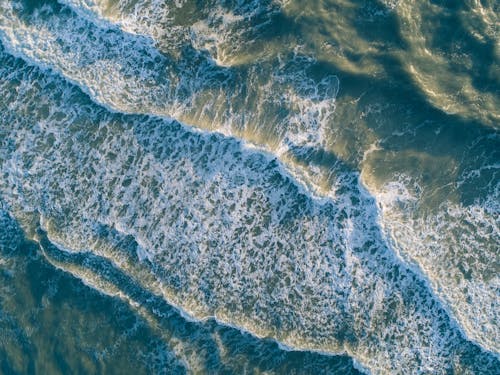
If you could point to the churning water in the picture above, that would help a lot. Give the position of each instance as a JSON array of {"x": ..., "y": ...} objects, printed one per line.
[{"x": 245, "y": 186}]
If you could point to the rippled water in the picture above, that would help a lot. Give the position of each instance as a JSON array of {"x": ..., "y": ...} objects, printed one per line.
[{"x": 249, "y": 186}]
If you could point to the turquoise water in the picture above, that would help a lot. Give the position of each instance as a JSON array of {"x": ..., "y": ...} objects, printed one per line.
[{"x": 249, "y": 187}]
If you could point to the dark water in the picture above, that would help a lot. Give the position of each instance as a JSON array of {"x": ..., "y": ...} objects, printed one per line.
[
  {"x": 53, "y": 323},
  {"x": 249, "y": 186}
]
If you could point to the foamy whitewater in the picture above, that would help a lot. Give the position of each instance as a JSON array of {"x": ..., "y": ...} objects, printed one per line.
[{"x": 249, "y": 187}]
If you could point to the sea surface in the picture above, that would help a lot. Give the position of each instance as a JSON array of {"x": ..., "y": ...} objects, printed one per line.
[{"x": 249, "y": 187}]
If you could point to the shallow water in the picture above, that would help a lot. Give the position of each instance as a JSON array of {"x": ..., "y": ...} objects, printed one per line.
[{"x": 249, "y": 186}]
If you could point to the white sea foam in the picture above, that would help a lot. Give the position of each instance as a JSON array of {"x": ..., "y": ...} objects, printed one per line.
[
  {"x": 456, "y": 247},
  {"x": 227, "y": 232},
  {"x": 127, "y": 73},
  {"x": 217, "y": 219}
]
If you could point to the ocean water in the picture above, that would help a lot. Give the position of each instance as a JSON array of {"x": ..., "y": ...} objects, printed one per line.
[{"x": 249, "y": 187}]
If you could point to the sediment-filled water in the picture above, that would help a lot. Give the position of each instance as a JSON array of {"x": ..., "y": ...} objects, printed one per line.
[{"x": 261, "y": 187}]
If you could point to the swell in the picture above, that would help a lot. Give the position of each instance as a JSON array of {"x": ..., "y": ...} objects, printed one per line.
[
  {"x": 295, "y": 140},
  {"x": 337, "y": 175},
  {"x": 214, "y": 345},
  {"x": 104, "y": 276},
  {"x": 151, "y": 146},
  {"x": 186, "y": 85}
]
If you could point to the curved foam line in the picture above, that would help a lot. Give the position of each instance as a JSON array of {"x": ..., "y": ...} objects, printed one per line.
[
  {"x": 286, "y": 169},
  {"x": 186, "y": 315}
]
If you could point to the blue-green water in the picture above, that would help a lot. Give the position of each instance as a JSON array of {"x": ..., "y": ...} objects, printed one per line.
[{"x": 249, "y": 187}]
